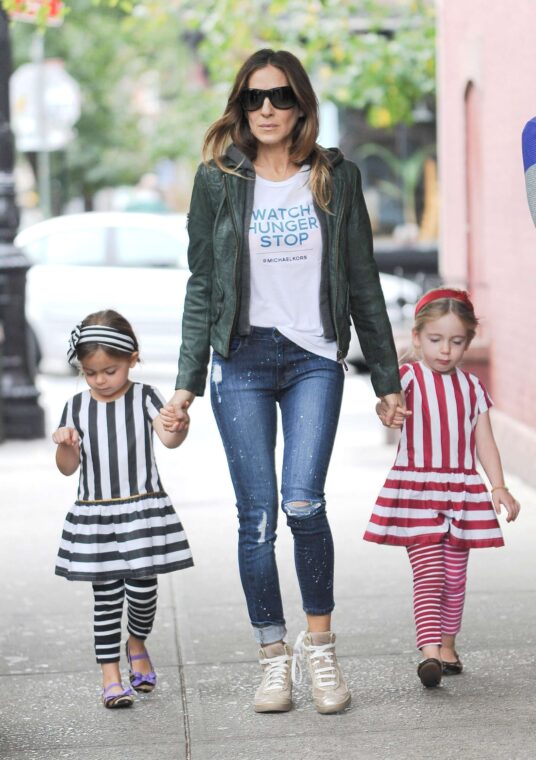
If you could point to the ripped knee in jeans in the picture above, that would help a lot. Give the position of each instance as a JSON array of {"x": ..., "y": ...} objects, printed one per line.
[{"x": 302, "y": 508}]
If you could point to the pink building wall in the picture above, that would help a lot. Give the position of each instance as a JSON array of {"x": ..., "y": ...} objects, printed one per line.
[{"x": 491, "y": 44}]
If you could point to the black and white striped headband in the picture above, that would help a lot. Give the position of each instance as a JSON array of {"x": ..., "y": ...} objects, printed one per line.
[{"x": 101, "y": 334}]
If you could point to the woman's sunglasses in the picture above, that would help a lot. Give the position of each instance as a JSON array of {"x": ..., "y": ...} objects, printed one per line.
[{"x": 279, "y": 97}]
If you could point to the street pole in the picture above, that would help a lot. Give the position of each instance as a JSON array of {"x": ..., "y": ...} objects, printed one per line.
[
  {"x": 43, "y": 159},
  {"x": 22, "y": 415}
]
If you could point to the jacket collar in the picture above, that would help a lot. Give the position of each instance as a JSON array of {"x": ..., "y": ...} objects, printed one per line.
[{"x": 238, "y": 161}]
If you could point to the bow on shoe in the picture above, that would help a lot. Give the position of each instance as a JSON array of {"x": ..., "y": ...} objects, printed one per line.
[
  {"x": 137, "y": 679},
  {"x": 144, "y": 682}
]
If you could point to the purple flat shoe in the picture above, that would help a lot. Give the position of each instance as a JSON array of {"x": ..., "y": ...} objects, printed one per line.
[
  {"x": 124, "y": 699},
  {"x": 142, "y": 682}
]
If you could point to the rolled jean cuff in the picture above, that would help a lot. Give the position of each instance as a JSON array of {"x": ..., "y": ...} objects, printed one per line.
[
  {"x": 269, "y": 634},
  {"x": 318, "y": 612}
]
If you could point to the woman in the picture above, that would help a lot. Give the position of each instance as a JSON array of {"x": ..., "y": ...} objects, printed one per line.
[{"x": 281, "y": 256}]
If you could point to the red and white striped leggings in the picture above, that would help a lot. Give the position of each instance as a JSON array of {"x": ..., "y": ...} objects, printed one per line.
[{"x": 439, "y": 578}]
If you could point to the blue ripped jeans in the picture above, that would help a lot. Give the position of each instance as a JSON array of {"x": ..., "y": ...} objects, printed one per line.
[{"x": 265, "y": 369}]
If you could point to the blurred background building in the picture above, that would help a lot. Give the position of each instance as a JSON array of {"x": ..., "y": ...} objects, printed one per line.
[{"x": 486, "y": 94}]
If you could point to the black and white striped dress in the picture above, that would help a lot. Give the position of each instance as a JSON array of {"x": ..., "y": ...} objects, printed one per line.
[{"x": 122, "y": 524}]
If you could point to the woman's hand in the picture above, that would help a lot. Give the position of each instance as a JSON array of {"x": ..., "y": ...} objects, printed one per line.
[
  {"x": 391, "y": 409},
  {"x": 501, "y": 495},
  {"x": 173, "y": 414}
]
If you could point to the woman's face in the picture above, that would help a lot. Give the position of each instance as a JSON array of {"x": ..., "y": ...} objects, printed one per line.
[{"x": 271, "y": 126}]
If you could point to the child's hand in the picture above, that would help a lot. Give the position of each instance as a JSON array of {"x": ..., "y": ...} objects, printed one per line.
[
  {"x": 175, "y": 419},
  {"x": 400, "y": 416},
  {"x": 511, "y": 505},
  {"x": 168, "y": 417},
  {"x": 68, "y": 451},
  {"x": 66, "y": 435},
  {"x": 172, "y": 424}
]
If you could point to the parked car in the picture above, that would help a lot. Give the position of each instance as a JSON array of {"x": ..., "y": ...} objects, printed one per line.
[
  {"x": 132, "y": 262},
  {"x": 401, "y": 295}
]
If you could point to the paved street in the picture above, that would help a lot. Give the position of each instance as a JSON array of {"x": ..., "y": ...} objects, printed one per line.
[{"x": 202, "y": 646}]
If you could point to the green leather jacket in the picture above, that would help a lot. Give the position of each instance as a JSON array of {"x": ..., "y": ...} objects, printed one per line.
[{"x": 217, "y": 297}]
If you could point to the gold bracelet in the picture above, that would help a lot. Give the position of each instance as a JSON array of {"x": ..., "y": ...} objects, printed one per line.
[{"x": 498, "y": 488}]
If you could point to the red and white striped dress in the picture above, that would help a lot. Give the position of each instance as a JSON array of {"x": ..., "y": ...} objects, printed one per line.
[{"x": 434, "y": 488}]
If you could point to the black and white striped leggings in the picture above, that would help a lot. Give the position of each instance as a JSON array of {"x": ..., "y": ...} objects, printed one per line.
[{"x": 141, "y": 596}]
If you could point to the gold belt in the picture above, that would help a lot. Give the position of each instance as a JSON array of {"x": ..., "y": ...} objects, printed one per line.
[{"x": 120, "y": 498}]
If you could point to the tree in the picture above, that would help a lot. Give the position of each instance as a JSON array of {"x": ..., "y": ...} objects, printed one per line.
[
  {"x": 378, "y": 55},
  {"x": 369, "y": 54},
  {"x": 140, "y": 100}
]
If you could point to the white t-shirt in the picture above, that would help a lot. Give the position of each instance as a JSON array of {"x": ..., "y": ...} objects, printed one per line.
[{"x": 285, "y": 243}]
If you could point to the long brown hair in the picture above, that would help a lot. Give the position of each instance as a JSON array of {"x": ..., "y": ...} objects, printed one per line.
[{"x": 233, "y": 126}]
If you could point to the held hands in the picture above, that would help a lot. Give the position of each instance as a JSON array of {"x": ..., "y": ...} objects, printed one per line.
[
  {"x": 174, "y": 416},
  {"x": 67, "y": 436},
  {"x": 391, "y": 409},
  {"x": 501, "y": 495},
  {"x": 174, "y": 419}
]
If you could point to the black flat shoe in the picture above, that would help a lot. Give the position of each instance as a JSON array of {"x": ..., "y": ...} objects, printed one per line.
[
  {"x": 429, "y": 671},
  {"x": 452, "y": 668}
]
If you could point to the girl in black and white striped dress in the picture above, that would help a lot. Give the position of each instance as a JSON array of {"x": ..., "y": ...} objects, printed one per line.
[{"x": 122, "y": 530}]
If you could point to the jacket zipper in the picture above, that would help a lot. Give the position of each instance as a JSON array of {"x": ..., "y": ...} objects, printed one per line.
[
  {"x": 334, "y": 313},
  {"x": 225, "y": 182}
]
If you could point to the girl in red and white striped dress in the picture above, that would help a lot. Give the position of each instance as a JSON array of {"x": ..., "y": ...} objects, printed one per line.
[{"x": 434, "y": 502}]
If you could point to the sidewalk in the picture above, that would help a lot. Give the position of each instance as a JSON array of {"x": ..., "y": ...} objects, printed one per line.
[{"x": 202, "y": 646}]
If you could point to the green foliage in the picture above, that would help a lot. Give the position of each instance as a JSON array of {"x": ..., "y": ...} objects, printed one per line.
[
  {"x": 140, "y": 102},
  {"x": 119, "y": 50},
  {"x": 366, "y": 54},
  {"x": 370, "y": 54}
]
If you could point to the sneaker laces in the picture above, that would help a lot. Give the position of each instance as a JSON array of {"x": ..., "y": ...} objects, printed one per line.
[
  {"x": 275, "y": 671},
  {"x": 319, "y": 654}
]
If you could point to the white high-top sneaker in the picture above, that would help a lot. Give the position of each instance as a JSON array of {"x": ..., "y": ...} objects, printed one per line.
[
  {"x": 330, "y": 690},
  {"x": 275, "y": 692}
]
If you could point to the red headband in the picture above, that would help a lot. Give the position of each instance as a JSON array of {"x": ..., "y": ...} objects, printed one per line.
[{"x": 435, "y": 295}]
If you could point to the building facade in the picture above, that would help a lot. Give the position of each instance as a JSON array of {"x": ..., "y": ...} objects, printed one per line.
[{"x": 486, "y": 94}]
